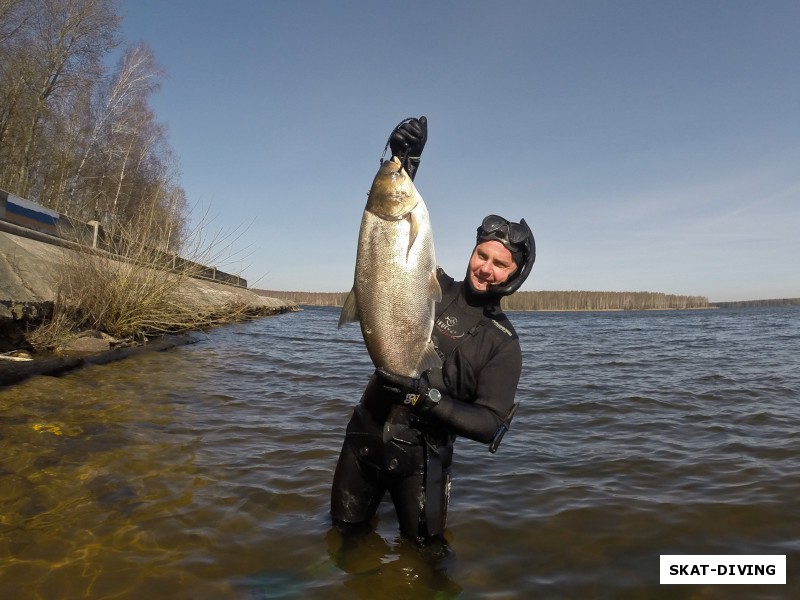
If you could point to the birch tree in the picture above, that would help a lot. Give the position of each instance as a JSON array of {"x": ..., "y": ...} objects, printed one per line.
[
  {"x": 68, "y": 40},
  {"x": 118, "y": 111}
]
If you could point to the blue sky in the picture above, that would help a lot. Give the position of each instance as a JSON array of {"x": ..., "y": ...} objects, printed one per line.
[{"x": 652, "y": 146}]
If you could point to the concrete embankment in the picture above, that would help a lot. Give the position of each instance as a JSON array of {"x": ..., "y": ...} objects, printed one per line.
[{"x": 29, "y": 266}]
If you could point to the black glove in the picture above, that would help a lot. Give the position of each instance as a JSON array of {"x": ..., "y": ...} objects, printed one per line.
[
  {"x": 407, "y": 141},
  {"x": 414, "y": 392}
]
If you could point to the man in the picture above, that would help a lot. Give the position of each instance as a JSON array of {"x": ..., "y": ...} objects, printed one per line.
[{"x": 409, "y": 452}]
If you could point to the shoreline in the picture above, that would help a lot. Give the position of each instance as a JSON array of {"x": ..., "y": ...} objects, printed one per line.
[
  {"x": 13, "y": 372},
  {"x": 30, "y": 267}
]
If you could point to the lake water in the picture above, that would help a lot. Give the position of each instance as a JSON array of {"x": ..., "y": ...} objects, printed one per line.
[{"x": 205, "y": 471}]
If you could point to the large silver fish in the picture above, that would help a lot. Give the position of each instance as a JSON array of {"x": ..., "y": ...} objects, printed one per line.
[{"x": 395, "y": 285}]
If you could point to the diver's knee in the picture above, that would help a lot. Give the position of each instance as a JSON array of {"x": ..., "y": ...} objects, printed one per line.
[{"x": 350, "y": 528}]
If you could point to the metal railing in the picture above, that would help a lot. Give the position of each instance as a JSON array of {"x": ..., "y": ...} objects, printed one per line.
[{"x": 57, "y": 228}]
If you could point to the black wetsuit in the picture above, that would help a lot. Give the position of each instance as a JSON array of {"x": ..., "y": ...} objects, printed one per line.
[{"x": 387, "y": 447}]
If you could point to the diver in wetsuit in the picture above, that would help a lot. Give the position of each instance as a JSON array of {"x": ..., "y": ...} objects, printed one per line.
[{"x": 400, "y": 437}]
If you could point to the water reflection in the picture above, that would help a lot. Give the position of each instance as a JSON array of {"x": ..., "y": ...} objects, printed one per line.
[{"x": 399, "y": 569}]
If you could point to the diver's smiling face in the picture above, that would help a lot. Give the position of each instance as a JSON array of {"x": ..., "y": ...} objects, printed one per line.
[{"x": 491, "y": 264}]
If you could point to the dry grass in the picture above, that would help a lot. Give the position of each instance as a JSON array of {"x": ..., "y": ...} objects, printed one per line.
[{"x": 133, "y": 292}]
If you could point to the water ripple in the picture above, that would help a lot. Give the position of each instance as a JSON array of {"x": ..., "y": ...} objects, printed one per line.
[{"x": 204, "y": 471}]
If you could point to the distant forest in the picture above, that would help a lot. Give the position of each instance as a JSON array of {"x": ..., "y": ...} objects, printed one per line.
[
  {"x": 544, "y": 301},
  {"x": 755, "y": 303}
]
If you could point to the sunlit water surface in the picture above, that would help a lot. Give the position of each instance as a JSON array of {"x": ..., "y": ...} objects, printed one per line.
[{"x": 205, "y": 471}]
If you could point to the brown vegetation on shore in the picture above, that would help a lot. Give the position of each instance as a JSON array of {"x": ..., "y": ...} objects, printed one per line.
[{"x": 133, "y": 291}]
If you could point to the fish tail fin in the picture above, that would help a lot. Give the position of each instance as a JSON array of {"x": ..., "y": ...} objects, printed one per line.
[{"x": 349, "y": 310}]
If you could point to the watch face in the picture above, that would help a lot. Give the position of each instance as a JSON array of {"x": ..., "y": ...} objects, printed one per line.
[{"x": 434, "y": 395}]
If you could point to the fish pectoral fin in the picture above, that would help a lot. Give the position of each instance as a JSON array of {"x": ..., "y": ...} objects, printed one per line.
[
  {"x": 434, "y": 289},
  {"x": 413, "y": 231},
  {"x": 349, "y": 310},
  {"x": 430, "y": 359}
]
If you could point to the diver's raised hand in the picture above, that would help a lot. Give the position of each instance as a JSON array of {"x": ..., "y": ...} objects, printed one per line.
[{"x": 407, "y": 142}]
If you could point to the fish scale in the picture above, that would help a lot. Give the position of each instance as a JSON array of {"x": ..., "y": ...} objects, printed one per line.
[{"x": 395, "y": 287}]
